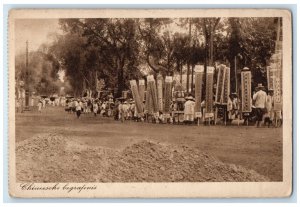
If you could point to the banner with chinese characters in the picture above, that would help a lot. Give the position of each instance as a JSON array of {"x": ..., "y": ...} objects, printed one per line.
[
  {"x": 199, "y": 73},
  {"x": 246, "y": 91},
  {"x": 160, "y": 92},
  {"x": 209, "y": 92},
  {"x": 167, "y": 95},
  {"x": 220, "y": 84},
  {"x": 148, "y": 103},
  {"x": 271, "y": 75},
  {"x": 142, "y": 89},
  {"x": 136, "y": 96},
  {"x": 226, "y": 88},
  {"x": 277, "y": 93},
  {"x": 153, "y": 92}
]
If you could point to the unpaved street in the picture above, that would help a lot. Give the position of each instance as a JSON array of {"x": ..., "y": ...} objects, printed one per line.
[{"x": 251, "y": 148}]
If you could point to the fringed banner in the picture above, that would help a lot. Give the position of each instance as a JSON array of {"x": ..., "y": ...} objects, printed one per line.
[
  {"x": 142, "y": 89},
  {"x": 167, "y": 94},
  {"x": 160, "y": 92},
  {"x": 220, "y": 84},
  {"x": 199, "y": 72},
  {"x": 246, "y": 91},
  {"x": 136, "y": 96},
  {"x": 226, "y": 88},
  {"x": 209, "y": 92}
]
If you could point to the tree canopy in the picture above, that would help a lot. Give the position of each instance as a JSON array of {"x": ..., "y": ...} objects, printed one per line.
[{"x": 117, "y": 50}]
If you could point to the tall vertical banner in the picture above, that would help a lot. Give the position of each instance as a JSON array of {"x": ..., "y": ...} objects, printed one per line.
[
  {"x": 153, "y": 93},
  {"x": 136, "y": 96},
  {"x": 226, "y": 88},
  {"x": 160, "y": 92},
  {"x": 246, "y": 91},
  {"x": 167, "y": 95},
  {"x": 220, "y": 84},
  {"x": 199, "y": 72},
  {"x": 209, "y": 92},
  {"x": 148, "y": 104},
  {"x": 271, "y": 75},
  {"x": 142, "y": 89},
  {"x": 277, "y": 63},
  {"x": 277, "y": 92}
]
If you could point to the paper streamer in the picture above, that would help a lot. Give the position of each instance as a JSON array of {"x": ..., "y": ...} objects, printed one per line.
[
  {"x": 209, "y": 92},
  {"x": 246, "y": 91},
  {"x": 199, "y": 72},
  {"x": 136, "y": 96},
  {"x": 167, "y": 95}
]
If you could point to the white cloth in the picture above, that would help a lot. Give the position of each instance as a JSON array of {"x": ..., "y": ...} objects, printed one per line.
[
  {"x": 260, "y": 98},
  {"x": 95, "y": 108},
  {"x": 40, "y": 106},
  {"x": 189, "y": 110},
  {"x": 78, "y": 106}
]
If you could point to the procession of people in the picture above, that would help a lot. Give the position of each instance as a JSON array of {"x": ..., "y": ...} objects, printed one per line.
[{"x": 182, "y": 110}]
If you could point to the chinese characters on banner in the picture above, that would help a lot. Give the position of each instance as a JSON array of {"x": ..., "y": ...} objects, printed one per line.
[
  {"x": 199, "y": 72},
  {"x": 246, "y": 91},
  {"x": 220, "y": 83},
  {"x": 226, "y": 88},
  {"x": 167, "y": 94},
  {"x": 209, "y": 93}
]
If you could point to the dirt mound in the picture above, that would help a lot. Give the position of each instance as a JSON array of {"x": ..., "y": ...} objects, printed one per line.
[
  {"x": 151, "y": 162},
  {"x": 53, "y": 158}
]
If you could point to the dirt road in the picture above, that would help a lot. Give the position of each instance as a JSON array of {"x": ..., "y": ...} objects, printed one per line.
[{"x": 257, "y": 149}]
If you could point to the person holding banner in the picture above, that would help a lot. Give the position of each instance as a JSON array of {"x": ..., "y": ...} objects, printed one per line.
[{"x": 260, "y": 98}]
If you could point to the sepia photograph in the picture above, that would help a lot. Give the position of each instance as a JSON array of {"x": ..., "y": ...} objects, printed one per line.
[{"x": 150, "y": 103}]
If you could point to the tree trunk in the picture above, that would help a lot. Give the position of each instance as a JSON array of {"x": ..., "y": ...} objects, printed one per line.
[
  {"x": 192, "y": 81},
  {"x": 211, "y": 49},
  {"x": 181, "y": 73}
]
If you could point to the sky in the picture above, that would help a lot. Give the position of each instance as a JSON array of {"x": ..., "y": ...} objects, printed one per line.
[
  {"x": 39, "y": 31},
  {"x": 35, "y": 31}
]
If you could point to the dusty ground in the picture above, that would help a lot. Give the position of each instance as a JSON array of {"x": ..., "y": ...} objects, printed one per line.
[{"x": 241, "y": 151}]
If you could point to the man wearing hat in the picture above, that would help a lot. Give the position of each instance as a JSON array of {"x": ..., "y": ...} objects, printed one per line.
[
  {"x": 260, "y": 98},
  {"x": 189, "y": 110}
]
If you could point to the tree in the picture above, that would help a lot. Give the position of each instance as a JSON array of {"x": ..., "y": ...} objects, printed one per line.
[
  {"x": 157, "y": 46},
  {"x": 42, "y": 72}
]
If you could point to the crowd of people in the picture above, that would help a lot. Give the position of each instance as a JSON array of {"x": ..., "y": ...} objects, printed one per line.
[{"x": 182, "y": 111}]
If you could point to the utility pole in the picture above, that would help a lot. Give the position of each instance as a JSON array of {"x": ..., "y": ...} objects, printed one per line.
[
  {"x": 27, "y": 90},
  {"x": 188, "y": 61}
]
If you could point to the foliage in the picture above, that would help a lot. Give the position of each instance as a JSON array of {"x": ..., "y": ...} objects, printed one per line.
[{"x": 117, "y": 50}]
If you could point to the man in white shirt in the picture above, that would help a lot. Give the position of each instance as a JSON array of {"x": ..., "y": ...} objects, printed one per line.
[
  {"x": 78, "y": 107},
  {"x": 260, "y": 98}
]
